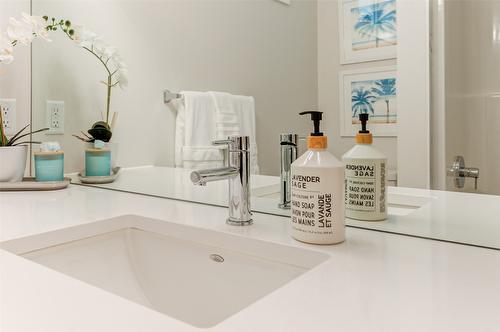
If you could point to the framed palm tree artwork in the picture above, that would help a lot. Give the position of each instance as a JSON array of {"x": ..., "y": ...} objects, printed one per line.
[
  {"x": 368, "y": 30},
  {"x": 372, "y": 91}
]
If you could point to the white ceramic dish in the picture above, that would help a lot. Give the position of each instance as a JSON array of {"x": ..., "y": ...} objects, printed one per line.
[
  {"x": 99, "y": 179},
  {"x": 29, "y": 184}
]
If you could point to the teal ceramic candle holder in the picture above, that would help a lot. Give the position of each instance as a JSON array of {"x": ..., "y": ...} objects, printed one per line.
[
  {"x": 49, "y": 166},
  {"x": 97, "y": 162}
]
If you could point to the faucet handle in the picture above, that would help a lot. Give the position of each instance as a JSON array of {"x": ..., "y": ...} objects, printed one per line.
[{"x": 235, "y": 143}]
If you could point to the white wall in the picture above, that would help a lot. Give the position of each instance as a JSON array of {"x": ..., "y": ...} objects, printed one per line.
[
  {"x": 328, "y": 83},
  {"x": 15, "y": 78},
  {"x": 260, "y": 48},
  {"x": 414, "y": 93},
  {"x": 438, "y": 104}
]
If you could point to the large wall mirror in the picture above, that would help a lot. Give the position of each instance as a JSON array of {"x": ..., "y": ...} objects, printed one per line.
[{"x": 185, "y": 73}]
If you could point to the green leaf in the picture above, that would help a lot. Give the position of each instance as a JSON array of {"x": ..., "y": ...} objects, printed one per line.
[
  {"x": 12, "y": 141},
  {"x": 13, "y": 138},
  {"x": 71, "y": 32},
  {"x": 67, "y": 23},
  {"x": 46, "y": 18},
  {"x": 27, "y": 142}
]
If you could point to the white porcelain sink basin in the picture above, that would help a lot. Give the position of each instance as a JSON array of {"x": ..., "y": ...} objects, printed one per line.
[
  {"x": 403, "y": 204},
  {"x": 198, "y": 276}
]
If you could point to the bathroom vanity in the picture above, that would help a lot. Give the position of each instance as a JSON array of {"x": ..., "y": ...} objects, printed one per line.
[
  {"x": 151, "y": 251},
  {"x": 374, "y": 281}
]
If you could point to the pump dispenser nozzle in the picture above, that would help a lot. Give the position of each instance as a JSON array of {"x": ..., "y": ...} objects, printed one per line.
[
  {"x": 363, "y": 118},
  {"x": 364, "y": 136},
  {"x": 316, "y": 140},
  {"x": 316, "y": 117}
]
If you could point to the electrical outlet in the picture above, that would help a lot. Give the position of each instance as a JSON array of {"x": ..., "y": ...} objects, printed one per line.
[
  {"x": 55, "y": 117},
  {"x": 8, "y": 109}
]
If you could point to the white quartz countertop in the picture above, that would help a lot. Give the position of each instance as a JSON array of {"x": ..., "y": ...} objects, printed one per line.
[
  {"x": 373, "y": 282},
  {"x": 171, "y": 182},
  {"x": 451, "y": 216}
]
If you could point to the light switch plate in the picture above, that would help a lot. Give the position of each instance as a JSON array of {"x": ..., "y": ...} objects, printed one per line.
[
  {"x": 55, "y": 117},
  {"x": 8, "y": 109}
]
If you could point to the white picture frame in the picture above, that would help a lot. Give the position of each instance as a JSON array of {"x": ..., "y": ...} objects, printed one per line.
[
  {"x": 372, "y": 91},
  {"x": 360, "y": 39}
]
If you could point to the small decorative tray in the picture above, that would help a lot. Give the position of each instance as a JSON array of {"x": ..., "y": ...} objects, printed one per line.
[
  {"x": 29, "y": 184},
  {"x": 99, "y": 179}
]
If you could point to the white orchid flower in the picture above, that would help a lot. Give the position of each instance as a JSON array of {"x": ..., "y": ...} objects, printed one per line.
[
  {"x": 121, "y": 65},
  {"x": 6, "y": 50},
  {"x": 37, "y": 25},
  {"x": 118, "y": 61},
  {"x": 19, "y": 31},
  {"x": 99, "y": 47},
  {"x": 109, "y": 52},
  {"x": 83, "y": 36},
  {"x": 122, "y": 77}
]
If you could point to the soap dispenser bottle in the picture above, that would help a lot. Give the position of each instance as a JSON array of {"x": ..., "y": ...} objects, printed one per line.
[
  {"x": 365, "y": 169},
  {"x": 317, "y": 191}
]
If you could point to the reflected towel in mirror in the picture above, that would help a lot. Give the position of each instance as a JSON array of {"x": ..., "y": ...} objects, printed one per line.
[{"x": 206, "y": 116}]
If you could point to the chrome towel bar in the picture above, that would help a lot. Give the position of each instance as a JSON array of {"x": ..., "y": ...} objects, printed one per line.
[{"x": 169, "y": 96}]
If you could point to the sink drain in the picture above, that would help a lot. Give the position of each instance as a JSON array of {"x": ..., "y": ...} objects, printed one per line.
[{"x": 217, "y": 258}]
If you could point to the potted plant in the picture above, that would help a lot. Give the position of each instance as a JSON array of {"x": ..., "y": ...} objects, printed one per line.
[
  {"x": 13, "y": 153},
  {"x": 116, "y": 75},
  {"x": 24, "y": 31},
  {"x": 14, "y": 150}
]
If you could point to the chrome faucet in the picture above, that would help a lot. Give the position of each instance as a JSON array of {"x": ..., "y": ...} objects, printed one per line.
[
  {"x": 288, "y": 154},
  {"x": 238, "y": 175},
  {"x": 459, "y": 172}
]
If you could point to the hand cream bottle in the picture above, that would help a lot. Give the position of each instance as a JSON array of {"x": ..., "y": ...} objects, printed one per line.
[
  {"x": 317, "y": 192},
  {"x": 365, "y": 194}
]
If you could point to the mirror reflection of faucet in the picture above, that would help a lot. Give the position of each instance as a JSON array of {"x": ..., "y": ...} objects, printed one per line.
[
  {"x": 289, "y": 151},
  {"x": 288, "y": 154}
]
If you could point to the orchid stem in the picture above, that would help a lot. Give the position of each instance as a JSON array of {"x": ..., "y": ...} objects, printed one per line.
[{"x": 109, "y": 98}]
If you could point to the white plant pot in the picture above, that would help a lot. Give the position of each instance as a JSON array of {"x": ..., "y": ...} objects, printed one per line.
[{"x": 13, "y": 163}]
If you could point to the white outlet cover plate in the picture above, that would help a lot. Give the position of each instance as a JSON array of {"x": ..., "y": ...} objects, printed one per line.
[
  {"x": 8, "y": 108},
  {"x": 55, "y": 117}
]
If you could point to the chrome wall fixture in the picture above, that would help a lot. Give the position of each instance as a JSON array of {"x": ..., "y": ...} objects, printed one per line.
[
  {"x": 169, "y": 96},
  {"x": 459, "y": 172}
]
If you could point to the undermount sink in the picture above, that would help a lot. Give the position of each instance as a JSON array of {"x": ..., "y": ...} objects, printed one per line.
[{"x": 198, "y": 276}]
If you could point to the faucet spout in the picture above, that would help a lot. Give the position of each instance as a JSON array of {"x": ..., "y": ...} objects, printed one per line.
[
  {"x": 202, "y": 177},
  {"x": 237, "y": 173}
]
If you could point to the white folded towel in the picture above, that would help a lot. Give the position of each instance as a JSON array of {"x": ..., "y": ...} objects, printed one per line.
[
  {"x": 206, "y": 116},
  {"x": 235, "y": 115},
  {"x": 195, "y": 131}
]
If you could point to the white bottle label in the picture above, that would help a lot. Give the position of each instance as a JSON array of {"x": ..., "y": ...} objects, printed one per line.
[
  {"x": 365, "y": 196},
  {"x": 318, "y": 205}
]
